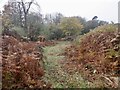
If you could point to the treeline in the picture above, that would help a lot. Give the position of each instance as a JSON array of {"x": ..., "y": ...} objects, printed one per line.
[{"x": 18, "y": 16}]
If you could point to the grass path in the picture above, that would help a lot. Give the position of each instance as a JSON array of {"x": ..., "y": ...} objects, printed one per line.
[{"x": 55, "y": 74}]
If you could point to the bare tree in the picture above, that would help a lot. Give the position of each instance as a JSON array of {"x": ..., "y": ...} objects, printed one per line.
[
  {"x": 26, "y": 6},
  {"x": 21, "y": 8},
  {"x": 20, "y": 13}
]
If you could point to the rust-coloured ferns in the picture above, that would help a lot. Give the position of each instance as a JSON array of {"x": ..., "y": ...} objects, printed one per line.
[{"x": 21, "y": 66}]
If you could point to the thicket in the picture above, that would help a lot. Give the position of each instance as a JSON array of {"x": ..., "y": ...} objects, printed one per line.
[
  {"x": 97, "y": 56},
  {"x": 21, "y": 64}
]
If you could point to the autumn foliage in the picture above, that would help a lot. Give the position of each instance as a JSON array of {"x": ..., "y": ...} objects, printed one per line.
[
  {"x": 96, "y": 57},
  {"x": 21, "y": 64}
]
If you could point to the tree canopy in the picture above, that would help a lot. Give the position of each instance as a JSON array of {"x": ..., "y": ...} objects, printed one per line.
[{"x": 70, "y": 25}]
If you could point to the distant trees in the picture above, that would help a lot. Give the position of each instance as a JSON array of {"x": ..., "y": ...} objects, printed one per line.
[
  {"x": 81, "y": 20},
  {"x": 51, "y": 22},
  {"x": 89, "y": 25},
  {"x": 19, "y": 10},
  {"x": 53, "y": 18},
  {"x": 54, "y": 32},
  {"x": 17, "y": 14},
  {"x": 25, "y": 6},
  {"x": 35, "y": 25},
  {"x": 57, "y": 18},
  {"x": 60, "y": 26},
  {"x": 70, "y": 26}
]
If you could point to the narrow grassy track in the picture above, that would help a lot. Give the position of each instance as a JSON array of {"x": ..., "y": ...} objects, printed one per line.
[{"x": 55, "y": 74}]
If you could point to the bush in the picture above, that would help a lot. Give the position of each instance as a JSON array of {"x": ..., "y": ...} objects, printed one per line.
[
  {"x": 19, "y": 30},
  {"x": 92, "y": 24},
  {"x": 21, "y": 64},
  {"x": 52, "y": 32},
  {"x": 92, "y": 55},
  {"x": 56, "y": 34}
]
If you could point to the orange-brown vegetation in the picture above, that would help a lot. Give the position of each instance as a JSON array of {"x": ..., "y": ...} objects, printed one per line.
[
  {"x": 97, "y": 58},
  {"x": 21, "y": 67}
]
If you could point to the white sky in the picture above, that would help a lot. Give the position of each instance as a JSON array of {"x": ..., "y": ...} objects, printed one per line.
[{"x": 105, "y": 9}]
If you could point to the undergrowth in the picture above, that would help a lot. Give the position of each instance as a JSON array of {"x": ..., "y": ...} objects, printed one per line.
[{"x": 91, "y": 56}]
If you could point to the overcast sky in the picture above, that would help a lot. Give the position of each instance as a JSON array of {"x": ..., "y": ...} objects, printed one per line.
[{"x": 105, "y": 9}]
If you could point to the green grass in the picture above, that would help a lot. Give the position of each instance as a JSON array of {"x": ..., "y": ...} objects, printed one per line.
[{"x": 55, "y": 74}]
